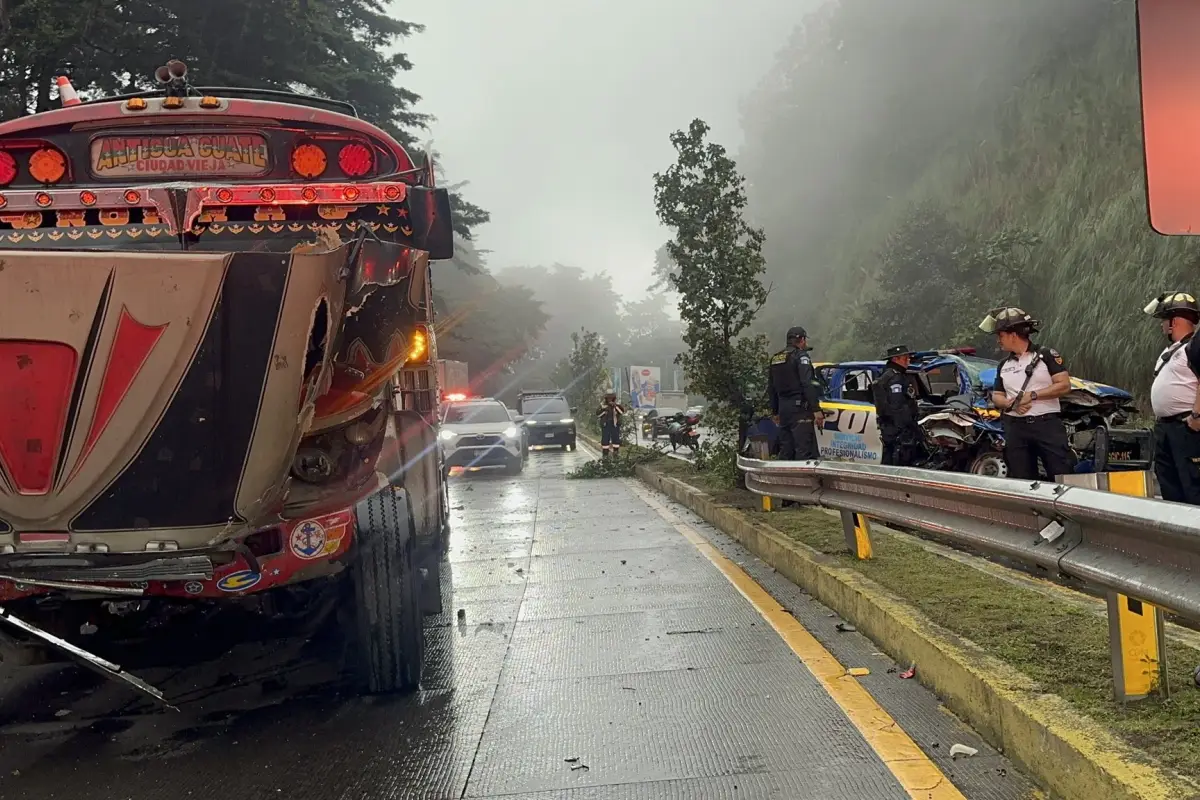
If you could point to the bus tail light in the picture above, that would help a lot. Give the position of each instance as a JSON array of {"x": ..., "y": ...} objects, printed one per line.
[
  {"x": 47, "y": 165},
  {"x": 355, "y": 160},
  {"x": 308, "y": 161},
  {"x": 8, "y": 168}
]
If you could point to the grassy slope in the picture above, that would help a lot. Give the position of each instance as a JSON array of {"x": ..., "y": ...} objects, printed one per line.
[
  {"x": 1059, "y": 154},
  {"x": 1066, "y": 162},
  {"x": 1064, "y": 649}
]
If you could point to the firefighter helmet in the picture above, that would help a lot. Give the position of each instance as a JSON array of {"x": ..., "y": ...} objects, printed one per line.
[
  {"x": 1008, "y": 318},
  {"x": 1173, "y": 304}
]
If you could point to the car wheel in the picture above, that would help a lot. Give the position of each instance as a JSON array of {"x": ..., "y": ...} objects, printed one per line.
[
  {"x": 990, "y": 463},
  {"x": 387, "y": 594}
]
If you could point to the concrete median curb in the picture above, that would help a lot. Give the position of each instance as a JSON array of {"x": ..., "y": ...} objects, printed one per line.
[{"x": 1069, "y": 754}]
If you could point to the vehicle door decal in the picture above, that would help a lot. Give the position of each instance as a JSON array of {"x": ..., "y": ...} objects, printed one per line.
[{"x": 850, "y": 433}]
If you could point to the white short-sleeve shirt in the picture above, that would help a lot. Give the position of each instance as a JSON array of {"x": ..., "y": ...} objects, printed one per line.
[
  {"x": 1010, "y": 377},
  {"x": 1174, "y": 389}
]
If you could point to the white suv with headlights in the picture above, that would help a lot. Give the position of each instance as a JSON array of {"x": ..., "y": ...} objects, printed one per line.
[{"x": 481, "y": 433}]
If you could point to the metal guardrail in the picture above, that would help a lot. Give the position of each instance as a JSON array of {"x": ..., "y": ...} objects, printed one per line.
[
  {"x": 1138, "y": 547},
  {"x": 1144, "y": 553}
]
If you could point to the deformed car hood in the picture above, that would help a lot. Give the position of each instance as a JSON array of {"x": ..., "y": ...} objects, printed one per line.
[{"x": 988, "y": 377}]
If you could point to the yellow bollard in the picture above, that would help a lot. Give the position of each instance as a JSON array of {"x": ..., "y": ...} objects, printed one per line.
[
  {"x": 768, "y": 502},
  {"x": 858, "y": 534},
  {"x": 1135, "y": 628}
]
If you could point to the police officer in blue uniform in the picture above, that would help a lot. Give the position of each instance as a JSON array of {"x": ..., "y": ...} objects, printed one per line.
[
  {"x": 1029, "y": 383},
  {"x": 795, "y": 396},
  {"x": 895, "y": 396}
]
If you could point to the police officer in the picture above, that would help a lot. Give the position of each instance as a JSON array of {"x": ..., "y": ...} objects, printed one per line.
[
  {"x": 1026, "y": 391},
  {"x": 896, "y": 411},
  {"x": 1175, "y": 398},
  {"x": 795, "y": 398}
]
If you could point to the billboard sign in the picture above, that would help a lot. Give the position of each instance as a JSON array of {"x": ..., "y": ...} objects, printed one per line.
[{"x": 644, "y": 385}]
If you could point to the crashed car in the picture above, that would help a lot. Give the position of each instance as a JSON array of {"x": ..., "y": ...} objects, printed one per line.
[{"x": 962, "y": 428}]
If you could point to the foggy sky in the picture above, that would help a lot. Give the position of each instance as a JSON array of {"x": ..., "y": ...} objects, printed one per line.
[{"x": 558, "y": 112}]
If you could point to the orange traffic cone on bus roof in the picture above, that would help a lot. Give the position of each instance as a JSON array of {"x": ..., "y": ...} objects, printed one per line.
[{"x": 66, "y": 92}]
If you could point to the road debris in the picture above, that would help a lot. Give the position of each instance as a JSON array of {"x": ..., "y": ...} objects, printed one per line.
[
  {"x": 846, "y": 627},
  {"x": 962, "y": 750},
  {"x": 910, "y": 672},
  {"x": 858, "y": 672}
]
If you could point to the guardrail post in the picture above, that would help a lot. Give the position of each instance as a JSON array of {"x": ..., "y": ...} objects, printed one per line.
[
  {"x": 1136, "y": 629},
  {"x": 760, "y": 448},
  {"x": 858, "y": 534}
]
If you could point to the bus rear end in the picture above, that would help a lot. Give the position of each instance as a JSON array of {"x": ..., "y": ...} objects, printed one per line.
[{"x": 204, "y": 296}]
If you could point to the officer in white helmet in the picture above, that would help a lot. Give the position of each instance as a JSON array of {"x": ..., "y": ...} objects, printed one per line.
[
  {"x": 1028, "y": 386},
  {"x": 1175, "y": 399}
]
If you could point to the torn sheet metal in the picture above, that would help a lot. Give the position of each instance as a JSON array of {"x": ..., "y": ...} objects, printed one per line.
[{"x": 89, "y": 660}]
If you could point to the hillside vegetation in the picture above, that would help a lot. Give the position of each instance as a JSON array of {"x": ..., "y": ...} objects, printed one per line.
[{"x": 917, "y": 163}]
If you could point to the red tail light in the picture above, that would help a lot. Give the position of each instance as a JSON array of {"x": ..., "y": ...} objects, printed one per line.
[
  {"x": 8, "y": 168},
  {"x": 355, "y": 160}
]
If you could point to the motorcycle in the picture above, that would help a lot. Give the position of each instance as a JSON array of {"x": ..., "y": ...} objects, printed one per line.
[{"x": 682, "y": 431}]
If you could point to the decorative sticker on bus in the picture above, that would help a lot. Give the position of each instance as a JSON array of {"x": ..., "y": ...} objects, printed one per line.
[{"x": 181, "y": 156}]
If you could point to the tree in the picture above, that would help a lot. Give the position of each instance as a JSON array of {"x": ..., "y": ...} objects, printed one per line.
[
  {"x": 936, "y": 280},
  {"x": 664, "y": 268},
  {"x": 582, "y": 374},
  {"x": 572, "y": 299},
  {"x": 489, "y": 325},
  {"x": 649, "y": 336},
  {"x": 702, "y": 198}
]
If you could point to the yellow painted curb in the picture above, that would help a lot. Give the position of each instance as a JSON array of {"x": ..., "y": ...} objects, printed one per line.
[{"x": 1074, "y": 757}]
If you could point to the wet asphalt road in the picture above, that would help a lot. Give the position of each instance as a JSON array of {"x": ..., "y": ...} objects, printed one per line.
[{"x": 601, "y": 656}]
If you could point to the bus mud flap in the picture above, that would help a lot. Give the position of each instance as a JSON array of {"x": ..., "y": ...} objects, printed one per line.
[{"x": 89, "y": 660}]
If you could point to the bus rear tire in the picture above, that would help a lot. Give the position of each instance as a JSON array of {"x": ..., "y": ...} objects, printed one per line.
[{"x": 389, "y": 631}]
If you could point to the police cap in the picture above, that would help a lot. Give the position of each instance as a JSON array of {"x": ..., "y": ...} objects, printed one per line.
[
  {"x": 897, "y": 351},
  {"x": 1173, "y": 304},
  {"x": 796, "y": 332}
]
